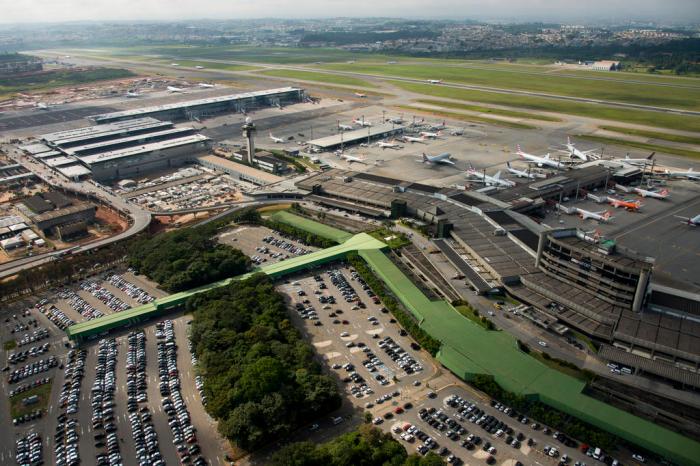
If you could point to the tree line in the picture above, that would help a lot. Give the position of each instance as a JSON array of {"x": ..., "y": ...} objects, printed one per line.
[
  {"x": 366, "y": 446},
  {"x": 260, "y": 376},
  {"x": 430, "y": 344},
  {"x": 546, "y": 414}
]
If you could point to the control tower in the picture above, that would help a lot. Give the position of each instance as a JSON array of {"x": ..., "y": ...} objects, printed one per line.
[{"x": 249, "y": 134}]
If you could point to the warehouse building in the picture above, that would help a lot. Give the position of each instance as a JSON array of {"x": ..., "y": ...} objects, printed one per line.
[
  {"x": 357, "y": 136},
  {"x": 200, "y": 108},
  {"x": 79, "y": 212}
]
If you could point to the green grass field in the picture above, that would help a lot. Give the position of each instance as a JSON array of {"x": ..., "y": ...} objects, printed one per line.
[
  {"x": 319, "y": 77},
  {"x": 641, "y": 145},
  {"x": 653, "y": 134},
  {"x": 642, "y": 117},
  {"x": 18, "y": 409},
  {"x": 495, "y": 111},
  {"x": 644, "y": 94},
  {"x": 215, "y": 65},
  {"x": 463, "y": 117},
  {"x": 53, "y": 79}
]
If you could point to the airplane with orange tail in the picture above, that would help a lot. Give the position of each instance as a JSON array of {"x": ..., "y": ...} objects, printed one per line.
[{"x": 632, "y": 206}]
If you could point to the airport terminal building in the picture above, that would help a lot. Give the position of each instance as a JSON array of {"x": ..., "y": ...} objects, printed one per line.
[
  {"x": 201, "y": 108},
  {"x": 569, "y": 278}
]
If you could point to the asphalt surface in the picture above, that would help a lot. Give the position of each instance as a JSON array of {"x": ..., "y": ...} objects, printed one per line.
[{"x": 37, "y": 117}]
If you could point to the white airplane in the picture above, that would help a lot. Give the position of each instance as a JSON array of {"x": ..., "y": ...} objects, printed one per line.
[
  {"x": 199, "y": 67},
  {"x": 494, "y": 180},
  {"x": 132, "y": 94},
  {"x": 433, "y": 159},
  {"x": 342, "y": 127},
  {"x": 573, "y": 152},
  {"x": 540, "y": 161},
  {"x": 431, "y": 135},
  {"x": 457, "y": 132},
  {"x": 361, "y": 122},
  {"x": 412, "y": 139},
  {"x": 602, "y": 216},
  {"x": 693, "y": 222},
  {"x": 174, "y": 64},
  {"x": 388, "y": 145},
  {"x": 175, "y": 89},
  {"x": 663, "y": 194},
  {"x": 276, "y": 140},
  {"x": 435, "y": 81},
  {"x": 206, "y": 85},
  {"x": 41, "y": 106},
  {"x": 395, "y": 120},
  {"x": 690, "y": 174},
  {"x": 352, "y": 158},
  {"x": 637, "y": 162},
  {"x": 359, "y": 94},
  {"x": 522, "y": 173}
]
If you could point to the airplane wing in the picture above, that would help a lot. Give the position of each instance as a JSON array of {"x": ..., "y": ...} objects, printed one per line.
[{"x": 447, "y": 161}]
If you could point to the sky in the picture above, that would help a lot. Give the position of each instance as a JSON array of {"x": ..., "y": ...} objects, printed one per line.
[{"x": 23, "y": 11}]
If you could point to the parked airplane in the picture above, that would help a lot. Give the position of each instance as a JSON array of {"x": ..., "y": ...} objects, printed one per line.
[
  {"x": 540, "y": 161},
  {"x": 352, "y": 158},
  {"x": 388, "y": 145},
  {"x": 690, "y": 174},
  {"x": 440, "y": 158},
  {"x": 412, "y": 139},
  {"x": 342, "y": 127},
  {"x": 395, "y": 120},
  {"x": 199, "y": 67},
  {"x": 693, "y": 222},
  {"x": 602, "y": 216},
  {"x": 637, "y": 162},
  {"x": 361, "y": 95},
  {"x": 175, "y": 89},
  {"x": 523, "y": 173},
  {"x": 435, "y": 81},
  {"x": 494, "y": 180},
  {"x": 431, "y": 135},
  {"x": 361, "y": 122},
  {"x": 457, "y": 132},
  {"x": 663, "y": 194},
  {"x": 207, "y": 85},
  {"x": 573, "y": 152},
  {"x": 629, "y": 205},
  {"x": 132, "y": 94},
  {"x": 276, "y": 140}
]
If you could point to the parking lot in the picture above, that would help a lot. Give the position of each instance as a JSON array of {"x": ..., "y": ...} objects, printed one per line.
[
  {"x": 376, "y": 364},
  {"x": 132, "y": 399},
  {"x": 263, "y": 245},
  {"x": 352, "y": 332},
  {"x": 185, "y": 188}
]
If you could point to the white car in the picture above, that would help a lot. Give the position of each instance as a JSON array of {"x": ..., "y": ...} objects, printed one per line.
[
  {"x": 542, "y": 343},
  {"x": 345, "y": 334}
]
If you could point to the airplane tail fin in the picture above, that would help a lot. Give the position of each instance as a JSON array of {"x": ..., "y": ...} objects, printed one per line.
[
  {"x": 517, "y": 148},
  {"x": 651, "y": 156},
  {"x": 607, "y": 215},
  {"x": 497, "y": 176},
  {"x": 664, "y": 192},
  {"x": 425, "y": 157},
  {"x": 568, "y": 140},
  {"x": 508, "y": 164}
]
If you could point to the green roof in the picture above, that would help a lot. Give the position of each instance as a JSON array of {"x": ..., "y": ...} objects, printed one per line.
[
  {"x": 311, "y": 226},
  {"x": 357, "y": 242},
  {"x": 469, "y": 349}
]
